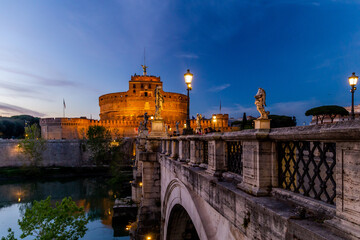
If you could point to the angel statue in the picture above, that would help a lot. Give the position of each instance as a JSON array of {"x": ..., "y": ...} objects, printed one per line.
[
  {"x": 159, "y": 101},
  {"x": 260, "y": 104},
  {"x": 177, "y": 127},
  {"x": 198, "y": 120}
]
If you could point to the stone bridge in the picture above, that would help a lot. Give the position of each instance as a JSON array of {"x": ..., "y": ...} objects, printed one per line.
[{"x": 286, "y": 183}]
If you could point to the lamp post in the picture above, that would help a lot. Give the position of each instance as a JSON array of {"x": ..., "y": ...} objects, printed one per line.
[
  {"x": 353, "y": 81},
  {"x": 188, "y": 79}
]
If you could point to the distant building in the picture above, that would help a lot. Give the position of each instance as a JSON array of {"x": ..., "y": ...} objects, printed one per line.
[
  {"x": 122, "y": 112},
  {"x": 338, "y": 118}
]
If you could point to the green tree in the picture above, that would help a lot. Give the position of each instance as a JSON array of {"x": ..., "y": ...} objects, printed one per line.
[
  {"x": 98, "y": 141},
  {"x": 244, "y": 121},
  {"x": 278, "y": 121},
  {"x": 330, "y": 110},
  {"x": 13, "y": 127},
  {"x": 33, "y": 145},
  {"x": 43, "y": 221},
  {"x": 10, "y": 236}
]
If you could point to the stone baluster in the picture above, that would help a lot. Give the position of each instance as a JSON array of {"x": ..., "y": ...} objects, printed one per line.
[
  {"x": 167, "y": 143},
  {"x": 163, "y": 146},
  {"x": 170, "y": 147},
  {"x": 216, "y": 156},
  {"x": 347, "y": 195},
  {"x": 203, "y": 145},
  {"x": 182, "y": 149},
  {"x": 259, "y": 165},
  {"x": 194, "y": 152},
  {"x": 187, "y": 150},
  {"x": 175, "y": 149}
]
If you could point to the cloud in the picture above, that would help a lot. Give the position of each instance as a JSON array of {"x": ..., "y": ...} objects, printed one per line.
[
  {"x": 292, "y": 108},
  {"x": 187, "y": 55},
  {"x": 42, "y": 80},
  {"x": 8, "y": 110},
  {"x": 18, "y": 89},
  {"x": 219, "y": 88}
]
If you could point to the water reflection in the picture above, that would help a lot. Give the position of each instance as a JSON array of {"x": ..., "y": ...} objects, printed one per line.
[{"x": 94, "y": 194}]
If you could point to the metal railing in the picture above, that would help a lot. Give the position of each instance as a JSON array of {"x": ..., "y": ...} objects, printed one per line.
[
  {"x": 308, "y": 168},
  {"x": 234, "y": 158},
  {"x": 205, "y": 152}
]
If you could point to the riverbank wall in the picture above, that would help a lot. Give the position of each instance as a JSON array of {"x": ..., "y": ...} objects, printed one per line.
[{"x": 58, "y": 153}]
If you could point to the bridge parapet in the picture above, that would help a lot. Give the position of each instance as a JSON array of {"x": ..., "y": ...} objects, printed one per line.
[{"x": 318, "y": 162}]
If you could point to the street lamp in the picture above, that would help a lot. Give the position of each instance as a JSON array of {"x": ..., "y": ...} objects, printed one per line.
[
  {"x": 353, "y": 81},
  {"x": 188, "y": 79}
]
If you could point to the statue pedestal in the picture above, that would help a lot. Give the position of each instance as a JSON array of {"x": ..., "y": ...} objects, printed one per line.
[
  {"x": 262, "y": 123},
  {"x": 157, "y": 128}
]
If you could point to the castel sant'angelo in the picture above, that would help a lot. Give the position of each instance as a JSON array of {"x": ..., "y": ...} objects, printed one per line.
[{"x": 122, "y": 112}]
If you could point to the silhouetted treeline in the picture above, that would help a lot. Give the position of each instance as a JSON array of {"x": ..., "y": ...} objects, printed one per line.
[
  {"x": 277, "y": 121},
  {"x": 13, "y": 127}
]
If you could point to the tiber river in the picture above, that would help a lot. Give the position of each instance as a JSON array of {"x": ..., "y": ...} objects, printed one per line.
[{"x": 94, "y": 194}]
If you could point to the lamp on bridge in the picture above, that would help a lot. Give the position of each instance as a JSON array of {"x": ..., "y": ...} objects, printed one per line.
[
  {"x": 188, "y": 79},
  {"x": 353, "y": 79}
]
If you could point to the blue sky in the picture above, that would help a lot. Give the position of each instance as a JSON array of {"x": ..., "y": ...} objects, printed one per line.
[{"x": 300, "y": 52}]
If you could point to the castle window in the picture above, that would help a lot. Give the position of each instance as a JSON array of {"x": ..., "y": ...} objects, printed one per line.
[
  {"x": 134, "y": 91},
  {"x": 134, "y": 86},
  {"x": 142, "y": 85},
  {"x": 145, "y": 94},
  {"x": 149, "y": 86}
]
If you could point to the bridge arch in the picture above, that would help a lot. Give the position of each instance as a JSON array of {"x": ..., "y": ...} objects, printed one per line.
[
  {"x": 179, "y": 203},
  {"x": 180, "y": 225}
]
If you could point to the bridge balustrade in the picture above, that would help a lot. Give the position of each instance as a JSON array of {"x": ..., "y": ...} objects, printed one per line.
[
  {"x": 302, "y": 160},
  {"x": 303, "y": 167},
  {"x": 316, "y": 165}
]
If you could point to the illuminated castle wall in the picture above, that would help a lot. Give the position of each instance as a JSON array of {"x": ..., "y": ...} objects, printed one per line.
[{"x": 140, "y": 99}]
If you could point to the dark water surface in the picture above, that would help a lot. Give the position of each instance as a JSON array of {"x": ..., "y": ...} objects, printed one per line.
[{"x": 94, "y": 194}]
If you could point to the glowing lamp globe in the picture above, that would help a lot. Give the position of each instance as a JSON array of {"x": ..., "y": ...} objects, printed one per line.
[
  {"x": 353, "y": 79},
  {"x": 188, "y": 77}
]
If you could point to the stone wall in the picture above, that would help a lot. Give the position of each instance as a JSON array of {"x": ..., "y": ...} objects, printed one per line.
[
  {"x": 59, "y": 153},
  {"x": 75, "y": 128}
]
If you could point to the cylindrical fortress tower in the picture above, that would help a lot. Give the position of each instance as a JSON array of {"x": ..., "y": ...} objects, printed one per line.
[{"x": 132, "y": 105}]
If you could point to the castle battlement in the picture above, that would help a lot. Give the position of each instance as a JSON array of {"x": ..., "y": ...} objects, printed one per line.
[{"x": 138, "y": 78}]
